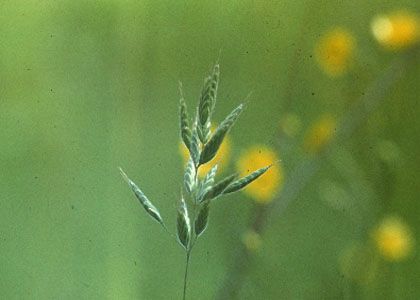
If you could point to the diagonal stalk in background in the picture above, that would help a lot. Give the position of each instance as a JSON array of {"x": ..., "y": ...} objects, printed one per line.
[{"x": 304, "y": 172}]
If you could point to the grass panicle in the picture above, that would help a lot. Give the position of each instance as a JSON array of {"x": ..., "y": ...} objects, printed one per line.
[{"x": 193, "y": 211}]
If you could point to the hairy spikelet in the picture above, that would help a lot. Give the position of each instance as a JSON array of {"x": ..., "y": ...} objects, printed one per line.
[
  {"x": 189, "y": 176},
  {"x": 201, "y": 221},
  {"x": 244, "y": 181},
  {"x": 207, "y": 104},
  {"x": 219, "y": 187},
  {"x": 211, "y": 148},
  {"x": 183, "y": 225},
  {"x": 184, "y": 122},
  {"x": 195, "y": 147},
  {"x": 144, "y": 201},
  {"x": 207, "y": 183}
]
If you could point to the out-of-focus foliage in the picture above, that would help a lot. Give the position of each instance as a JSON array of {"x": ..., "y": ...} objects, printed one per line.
[{"x": 90, "y": 86}]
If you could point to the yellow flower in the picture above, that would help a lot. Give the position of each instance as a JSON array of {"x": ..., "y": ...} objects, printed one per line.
[
  {"x": 335, "y": 50},
  {"x": 221, "y": 158},
  {"x": 264, "y": 188},
  {"x": 397, "y": 30},
  {"x": 252, "y": 240},
  {"x": 393, "y": 239},
  {"x": 320, "y": 134}
]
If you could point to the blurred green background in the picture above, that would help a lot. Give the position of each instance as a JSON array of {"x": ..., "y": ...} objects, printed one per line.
[{"x": 88, "y": 86}]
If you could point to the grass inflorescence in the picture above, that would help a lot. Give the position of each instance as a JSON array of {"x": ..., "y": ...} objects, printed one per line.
[{"x": 203, "y": 145}]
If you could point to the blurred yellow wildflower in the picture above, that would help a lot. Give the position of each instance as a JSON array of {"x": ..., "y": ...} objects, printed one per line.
[
  {"x": 334, "y": 51},
  {"x": 320, "y": 134},
  {"x": 396, "y": 30},
  {"x": 221, "y": 158},
  {"x": 393, "y": 239},
  {"x": 262, "y": 190},
  {"x": 252, "y": 240}
]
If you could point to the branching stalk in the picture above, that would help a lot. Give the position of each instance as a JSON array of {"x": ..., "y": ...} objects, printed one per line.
[{"x": 193, "y": 214}]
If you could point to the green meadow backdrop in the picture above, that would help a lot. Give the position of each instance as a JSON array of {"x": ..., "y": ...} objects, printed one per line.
[{"x": 90, "y": 86}]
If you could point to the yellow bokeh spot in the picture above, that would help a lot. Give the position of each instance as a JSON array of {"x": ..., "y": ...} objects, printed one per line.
[
  {"x": 265, "y": 187},
  {"x": 252, "y": 240},
  {"x": 221, "y": 158},
  {"x": 393, "y": 239},
  {"x": 335, "y": 50},
  {"x": 320, "y": 134},
  {"x": 397, "y": 30}
]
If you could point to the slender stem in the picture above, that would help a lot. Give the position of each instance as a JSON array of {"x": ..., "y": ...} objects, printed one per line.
[{"x": 187, "y": 262}]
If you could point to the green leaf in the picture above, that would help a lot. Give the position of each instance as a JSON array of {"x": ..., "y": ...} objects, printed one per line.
[
  {"x": 219, "y": 187},
  {"x": 202, "y": 218},
  {"x": 207, "y": 183},
  {"x": 144, "y": 201},
  {"x": 184, "y": 123},
  {"x": 211, "y": 148},
  {"x": 189, "y": 176},
  {"x": 207, "y": 104},
  {"x": 183, "y": 225},
  {"x": 244, "y": 181}
]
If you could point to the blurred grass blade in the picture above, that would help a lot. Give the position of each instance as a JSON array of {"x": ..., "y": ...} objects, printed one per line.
[
  {"x": 144, "y": 201},
  {"x": 202, "y": 218},
  {"x": 211, "y": 148},
  {"x": 207, "y": 104},
  {"x": 184, "y": 123},
  {"x": 219, "y": 187},
  {"x": 189, "y": 176},
  {"x": 244, "y": 181},
  {"x": 183, "y": 225}
]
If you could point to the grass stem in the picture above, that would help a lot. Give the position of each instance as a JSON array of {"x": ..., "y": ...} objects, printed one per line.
[{"x": 187, "y": 262}]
